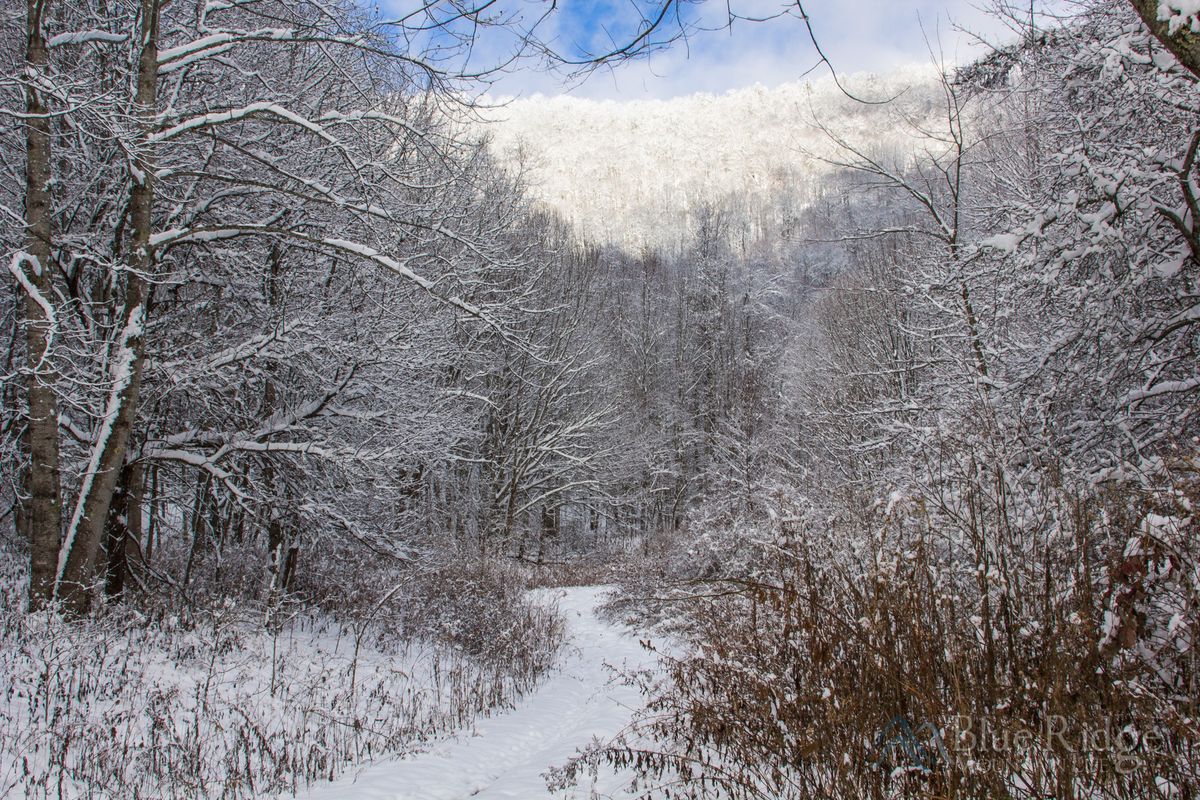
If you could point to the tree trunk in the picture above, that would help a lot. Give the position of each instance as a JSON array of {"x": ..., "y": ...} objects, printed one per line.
[
  {"x": 124, "y": 528},
  {"x": 281, "y": 551},
  {"x": 43, "y": 514},
  {"x": 548, "y": 530},
  {"x": 78, "y": 556},
  {"x": 1184, "y": 44}
]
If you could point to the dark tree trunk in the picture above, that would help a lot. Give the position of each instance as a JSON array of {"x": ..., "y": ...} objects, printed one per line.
[
  {"x": 124, "y": 530},
  {"x": 289, "y": 567},
  {"x": 549, "y": 530},
  {"x": 42, "y": 515},
  {"x": 281, "y": 550}
]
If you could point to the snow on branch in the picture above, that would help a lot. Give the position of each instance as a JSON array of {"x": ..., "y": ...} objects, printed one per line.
[
  {"x": 122, "y": 374},
  {"x": 236, "y": 114},
  {"x": 14, "y": 266},
  {"x": 86, "y": 37}
]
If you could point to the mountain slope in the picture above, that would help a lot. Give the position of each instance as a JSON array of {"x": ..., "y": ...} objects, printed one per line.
[{"x": 620, "y": 170}]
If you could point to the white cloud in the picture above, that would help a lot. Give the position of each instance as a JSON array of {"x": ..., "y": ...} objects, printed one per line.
[{"x": 863, "y": 36}]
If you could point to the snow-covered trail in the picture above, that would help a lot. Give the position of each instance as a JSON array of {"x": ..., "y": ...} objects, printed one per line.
[{"x": 509, "y": 753}]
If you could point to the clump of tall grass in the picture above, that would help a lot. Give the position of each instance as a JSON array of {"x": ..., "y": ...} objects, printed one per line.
[{"x": 149, "y": 700}]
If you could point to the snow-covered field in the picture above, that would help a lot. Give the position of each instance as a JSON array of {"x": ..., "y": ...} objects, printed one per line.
[
  {"x": 211, "y": 705},
  {"x": 507, "y": 755}
]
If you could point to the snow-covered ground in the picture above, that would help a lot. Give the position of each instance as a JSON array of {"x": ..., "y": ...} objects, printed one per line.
[
  {"x": 211, "y": 704},
  {"x": 507, "y": 755}
]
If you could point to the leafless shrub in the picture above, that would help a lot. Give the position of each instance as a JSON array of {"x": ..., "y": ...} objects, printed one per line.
[{"x": 1063, "y": 664}]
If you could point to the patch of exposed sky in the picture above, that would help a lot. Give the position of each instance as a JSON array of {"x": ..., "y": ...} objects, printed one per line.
[{"x": 766, "y": 42}]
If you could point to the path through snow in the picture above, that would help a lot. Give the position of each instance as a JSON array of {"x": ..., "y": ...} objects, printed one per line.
[{"x": 509, "y": 753}]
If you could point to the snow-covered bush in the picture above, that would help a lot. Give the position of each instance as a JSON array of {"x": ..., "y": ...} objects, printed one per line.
[{"x": 1012, "y": 680}]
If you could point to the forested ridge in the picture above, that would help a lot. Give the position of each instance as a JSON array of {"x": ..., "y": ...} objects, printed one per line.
[
  {"x": 618, "y": 170},
  {"x": 304, "y": 389}
]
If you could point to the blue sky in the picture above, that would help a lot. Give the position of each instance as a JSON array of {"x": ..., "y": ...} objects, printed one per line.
[{"x": 857, "y": 35}]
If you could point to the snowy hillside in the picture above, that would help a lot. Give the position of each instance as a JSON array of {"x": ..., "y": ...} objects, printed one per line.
[{"x": 617, "y": 168}]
